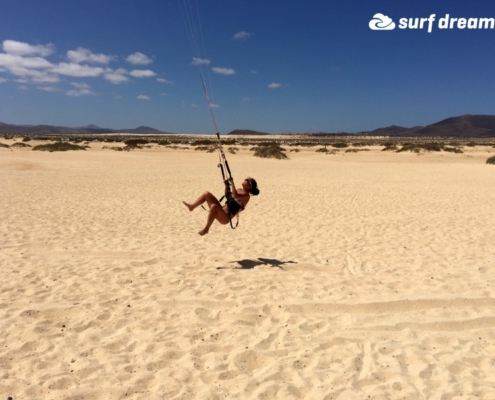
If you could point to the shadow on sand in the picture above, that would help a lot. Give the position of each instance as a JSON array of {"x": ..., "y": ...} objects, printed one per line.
[{"x": 250, "y": 264}]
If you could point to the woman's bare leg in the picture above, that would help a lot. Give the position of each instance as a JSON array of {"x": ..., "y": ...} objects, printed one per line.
[
  {"x": 216, "y": 213},
  {"x": 206, "y": 196}
]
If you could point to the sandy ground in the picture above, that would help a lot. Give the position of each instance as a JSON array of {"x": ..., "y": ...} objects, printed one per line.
[{"x": 353, "y": 276}]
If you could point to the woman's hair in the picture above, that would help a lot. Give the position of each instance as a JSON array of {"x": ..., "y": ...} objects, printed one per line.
[{"x": 254, "y": 187}]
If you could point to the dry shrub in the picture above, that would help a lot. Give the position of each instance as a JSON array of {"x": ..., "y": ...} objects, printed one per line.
[
  {"x": 58, "y": 146},
  {"x": 114, "y": 148},
  {"x": 20, "y": 144},
  {"x": 453, "y": 149},
  {"x": 340, "y": 145},
  {"x": 271, "y": 151},
  {"x": 136, "y": 142},
  {"x": 417, "y": 147}
]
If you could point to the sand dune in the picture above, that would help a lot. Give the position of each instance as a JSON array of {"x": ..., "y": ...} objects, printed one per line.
[{"x": 359, "y": 276}]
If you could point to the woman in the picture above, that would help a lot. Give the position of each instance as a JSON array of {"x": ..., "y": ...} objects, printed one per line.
[{"x": 240, "y": 198}]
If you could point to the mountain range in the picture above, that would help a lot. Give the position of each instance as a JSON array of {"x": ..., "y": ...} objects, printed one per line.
[
  {"x": 461, "y": 126},
  {"x": 50, "y": 129}
]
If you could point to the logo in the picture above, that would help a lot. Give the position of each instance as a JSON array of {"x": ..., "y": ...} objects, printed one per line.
[{"x": 381, "y": 22}]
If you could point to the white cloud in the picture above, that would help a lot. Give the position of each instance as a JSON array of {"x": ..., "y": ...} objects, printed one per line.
[
  {"x": 84, "y": 55},
  {"x": 49, "y": 89},
  {"x": 9, "y": 61},
  {"x": 253, "y": 71},
  {"x": 117, "y": 76},
  {"x": 200, "y": 61},
  {"x": 274, "y": 85},
  {"x": 81, "y": 89},
  {"x": 249, "y": 98},
  {"x": 213, "y": 105},
  {"x": 223, "y": 71},
  {"x": 139, "y": 59},
  {"x": 23, "y": 88},
  {"x": 36, "y": 69},
  {"x": 77, "y": 70},
  {"x": 143, "y": 97},
  {"x": 45, "y": 78},
  {"x": 24, "y": 49},
  {"x": 142, "y": 73},
  {"x": 27, "y": 75},
  {"x": 242, "y": 35},
  {"x": 119, "y": 97},
  {"x": 29, "y": 64}
]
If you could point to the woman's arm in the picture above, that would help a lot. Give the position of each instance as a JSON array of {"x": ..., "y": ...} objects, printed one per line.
[
  {"x": 240, "y": 194},
  {"x": 232, "y": 186}
]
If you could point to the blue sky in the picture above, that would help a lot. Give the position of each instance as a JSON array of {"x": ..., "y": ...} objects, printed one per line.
[{"x": 273, "y": 66}]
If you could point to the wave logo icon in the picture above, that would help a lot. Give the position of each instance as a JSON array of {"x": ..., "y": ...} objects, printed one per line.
[{"x": 381, "y": 22}]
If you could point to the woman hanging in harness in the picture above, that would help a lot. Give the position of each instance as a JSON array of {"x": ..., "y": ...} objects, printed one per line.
[{"x": 236, "y": 202}]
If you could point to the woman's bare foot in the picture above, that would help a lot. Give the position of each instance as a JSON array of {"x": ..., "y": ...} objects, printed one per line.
[
  {"x": 188, "y": 206},
  {"x": 203, "y": 232}
]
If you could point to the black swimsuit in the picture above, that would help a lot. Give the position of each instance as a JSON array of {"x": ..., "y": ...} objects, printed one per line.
[{"x": 234, "y": 205}]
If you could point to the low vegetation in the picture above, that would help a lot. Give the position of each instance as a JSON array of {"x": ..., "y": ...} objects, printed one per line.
[
  {"x": 116, "y": 148},
  {"x": 418, "y": 147},
  {"x": 491, "y": 160},
  {"x": 453, "y": 149},
  {"x": 324, "y": 150},
  {"x": 270, "y": 151},
  {"x": 58, "y": 146},
  {"x": 20, "y": 144},
  {"x": 4, "y": 145},
  {"x": 136, "y": 143},
  {"x": 389, "y": 146}
]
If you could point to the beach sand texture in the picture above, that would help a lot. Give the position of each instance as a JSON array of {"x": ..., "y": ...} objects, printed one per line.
[{"x": 357, "y": 276}]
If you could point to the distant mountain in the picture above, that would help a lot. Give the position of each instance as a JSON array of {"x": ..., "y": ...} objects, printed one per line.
[
  {"x": 49, "y": 129},
  {"x": 246, "y": 132},
  {"x": 462, "y": 126},
  {"x": 91, "y": 126},
  {"x": 389, "y": 130},
  {"x": 140, "y": 129}
]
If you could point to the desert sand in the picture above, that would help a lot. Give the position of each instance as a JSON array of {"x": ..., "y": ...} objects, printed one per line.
[{"x": 351, "y": 276}]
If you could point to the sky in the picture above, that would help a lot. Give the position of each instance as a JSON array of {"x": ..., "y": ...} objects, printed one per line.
[{"x": 277, "y": 66}]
